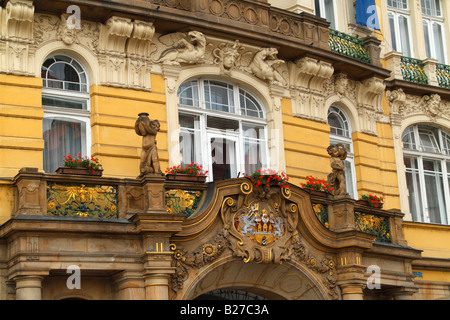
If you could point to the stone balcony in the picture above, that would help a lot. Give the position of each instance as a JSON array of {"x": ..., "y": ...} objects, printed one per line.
[
  {"x": 418, "y": 76},
  {"x": 102, "y": 199}
]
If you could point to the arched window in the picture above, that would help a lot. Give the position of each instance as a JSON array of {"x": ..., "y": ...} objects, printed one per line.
[
  {"x": 223, "y": 127},
  {"x": 426, "y": 151},
  {"x": 65, "y": 99},
  {"x": 341, "y": 132}
]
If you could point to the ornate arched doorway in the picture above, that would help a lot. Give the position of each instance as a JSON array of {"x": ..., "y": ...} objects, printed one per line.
[
  {"x": 234, "y": 280},
  {"x": 259, "y": 240}
]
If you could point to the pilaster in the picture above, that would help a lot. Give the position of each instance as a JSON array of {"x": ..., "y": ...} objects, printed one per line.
[{"x": 28, "y": 287}]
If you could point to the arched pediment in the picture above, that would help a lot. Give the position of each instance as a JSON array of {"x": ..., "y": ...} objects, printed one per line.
[{"x": 258, "y": 226}]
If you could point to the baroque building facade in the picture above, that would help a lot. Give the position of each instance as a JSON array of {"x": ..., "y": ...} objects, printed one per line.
[{"x": 237, "y": 86}]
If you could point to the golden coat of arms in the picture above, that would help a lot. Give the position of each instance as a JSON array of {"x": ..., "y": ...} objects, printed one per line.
[
  {"x": 260, "y": 220},
  {"x": 260, "y": 224}
]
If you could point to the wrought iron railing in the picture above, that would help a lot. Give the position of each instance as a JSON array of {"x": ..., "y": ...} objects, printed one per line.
[
  {"x": 376, "y": 225},
  {"x": 443, "y": 75},
  {"x": 348, "y": 45},
  {"x": 413, "y": 70},
  {"x": 82, "y": 200}
]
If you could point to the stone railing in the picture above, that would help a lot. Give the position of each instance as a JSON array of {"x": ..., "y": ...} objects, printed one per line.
[
  {"x": 384, "y": 225},
  {"x": 103, "y": 198},
  {"x": 86, "y": 196}
]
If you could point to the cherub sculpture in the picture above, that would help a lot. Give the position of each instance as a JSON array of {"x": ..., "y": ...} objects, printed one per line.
[
  {"x": 149, "y": 155},
  {"x": 336, "y": 179}
]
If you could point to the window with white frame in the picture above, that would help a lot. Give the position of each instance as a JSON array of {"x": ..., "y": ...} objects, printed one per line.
[
  {"x": 427, "y": 159},
  {"x": 400, "y": 27},
  {"x": 433, "y": 28},
  {"x": 341, "y": 132},
  {"x": 65, "y": 99},
  {"x": 327, "y": 9},
  {"x": 222, "y": 127}
]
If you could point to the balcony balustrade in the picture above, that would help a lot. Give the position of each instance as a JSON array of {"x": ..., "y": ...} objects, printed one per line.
[{"x": 105, "y": 199}]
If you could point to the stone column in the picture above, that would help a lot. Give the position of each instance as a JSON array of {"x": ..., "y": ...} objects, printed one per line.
[
  {"x": 352, "y": 292},
  {"x": 372, "y": 45},
  {"x": 351, "y": 274},
  {"x": 171, "y": 74},
  {"x": 394, "y": 63},
  {"x": 403, "y": 293},
  {"x": 157, "y": 287},
  {"x": 429, "y": 67},
  {"x": 130, "y": 286},
  {"x": 156, "y": 231},
  {"x": 341, "y": 215},
  {"x": 28, "y": 287}
]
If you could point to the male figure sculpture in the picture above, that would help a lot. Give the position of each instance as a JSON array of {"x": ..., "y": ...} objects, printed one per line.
[
  {"x": 149, "y": 155},
  {"x": 336, "y": 179}
]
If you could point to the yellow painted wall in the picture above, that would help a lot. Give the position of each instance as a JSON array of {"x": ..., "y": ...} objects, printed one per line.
[
  {"x": 433, "y": 239},
  {"x": 21, "y": 117},
  {"x": 113, "y": 114},
  {"x": 376, "y": 170},
  {"x": 305, "y": 144}
]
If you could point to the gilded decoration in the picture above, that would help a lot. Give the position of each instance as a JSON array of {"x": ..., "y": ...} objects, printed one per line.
[
  {"x": 182, "y": 201},
  {"x": 377, "y": 226},
  {"x": 79, "y": 200},
  {"x": 321, "y": 212},
  {"x": 260, "y": 225}
]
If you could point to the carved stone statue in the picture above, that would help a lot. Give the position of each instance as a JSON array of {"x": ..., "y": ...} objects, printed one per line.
[
  {"x": 226, "y": 55},
  {"x": 149, "y": 156},
  {"x": 263, "y": 66},
  {"x": 183, "y": 48},
  {"x": 336, "y": 179}
]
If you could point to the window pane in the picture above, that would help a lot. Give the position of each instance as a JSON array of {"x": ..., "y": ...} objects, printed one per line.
[
  {"x": 188, "y": 94},
  {"x": 446, "y": 141},
  {"x": 404, "y": 36},
  {"x": 253, "y": 156},
  {"x": 61, "y": 137},
  {"x": 190, "y": 139},
  {"x": 392, "y": 29},
  {"x": 414, "y": 190},
  {"x": 399, "y": 4},
  {"x": 219, "y": 96},
  {"x": 434, "y": 187},
  {"x": 349, "y": 181},
  {"x": 329, "y": 13},
  {"x": 223, "y": 159},
  {"x": 408, "y": 139},
  {"x": 431, "y": 7},
  {"x": 48, "y": 101},
  {"x": 338, "y": 122},
  {"x": 249, "y": 105},
  {"x": 427, "y": 38},
  {"x": 63, "y": 72},
  {"x": 428, "y": 141},
  {"x": 438, "y": 42}
]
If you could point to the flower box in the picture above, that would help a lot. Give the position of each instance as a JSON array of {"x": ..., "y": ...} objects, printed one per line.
[
  {"x": 319, "y": 193},
  {"x": 185, "y": 177},
  {"x": 371, "y": 200},
  {"x": 79, "y": 171},
  {"x": 367, "y": 203}
]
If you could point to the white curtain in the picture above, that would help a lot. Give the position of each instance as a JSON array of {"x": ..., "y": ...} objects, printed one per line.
[{"x": 61, "y": 137}]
